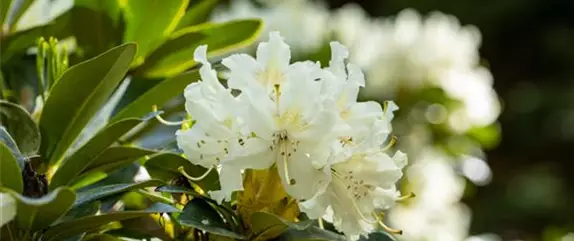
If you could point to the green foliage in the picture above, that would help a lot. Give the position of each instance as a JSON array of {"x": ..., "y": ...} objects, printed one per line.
[
  {"x": 37, "y": 213},
  {"x": 173, "y": 57},
  {"x": 10, "y": 176},
  {"x": 199, "y": 214},
  {"x": 81, "y": 91},
  {"x": 150, "y": 34},
  {"x": 21, "y": 127}
]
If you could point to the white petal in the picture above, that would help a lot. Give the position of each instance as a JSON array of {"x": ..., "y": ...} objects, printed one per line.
[
  {"x": 7, "y": 208},
  {"x": 338, "y": 55},
  {"x": 253, "y": 154},
  {"x": 243, "y": 72},
  {"x": 231, "y": 180},
  {"x": 308, "y": 180},
  {"x": 275, "y": 53}
]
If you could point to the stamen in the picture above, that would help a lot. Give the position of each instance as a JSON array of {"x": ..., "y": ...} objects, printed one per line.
[
  {"x": 285, "y": 165},
  {"x": 405, "y": 197},
  {"x": 387, "y": 228},
  {"x": 391, "y": 144},
  {"x": 184, "y": 173},
  {"x": 320, "y": 221},
  {"x": 166, "y": 122}
]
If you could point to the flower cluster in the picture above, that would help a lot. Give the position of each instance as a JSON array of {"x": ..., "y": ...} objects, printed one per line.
[
  {"x": 329, "y": 150},
  {"x": 419, "y": 52}
]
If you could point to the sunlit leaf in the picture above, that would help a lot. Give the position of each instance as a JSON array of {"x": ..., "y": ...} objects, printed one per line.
[
  {"x": 159, "y": 95},
  {"x": 198, "y": 13},
  {"x": 91, "y": 194},
  {"x": 72, "y": 166},
  {"x": 150, "y": 34},
  {"x": 176, "y": 54},
  {"x": 77, "y": 226},
  {"x": 81, "y": 92}
]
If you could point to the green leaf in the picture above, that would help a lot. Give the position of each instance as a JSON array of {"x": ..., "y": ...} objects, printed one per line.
[
  {"x": 150, "y": 34},
  {"x": 178, "y": 189},
  {"x": 176, "y": 54},
  {"x": 10, "y": 173},
  {"x": 115, "y": 157},
  {"x": 311, "y": 233},
  {"x": 201, "y": 215},
  {"x": 101, "y": 237},
  {"x": 164, "y": 166},
  {"x": 266, "y": 225},
  {"x": 92, "y": 194},
  {"x": 198, "y": 13},
  {"x": 15, "y": 11},
  {"x": 105, "y": 29},
  {"x": 81, "y": 91},
  {"x": 378, "y": 236},
  {"x": 158, "y": 95},
  {"x": 21, "y": 127},
  {"x": 37, "y": 213},
  {"x": 77, "y": 226},
  {"x": 7, "y": 140},
  {"x": 17, "y": 44},
  {"x": 72, "y": 166},
  {"x": 85, "y": 210}
]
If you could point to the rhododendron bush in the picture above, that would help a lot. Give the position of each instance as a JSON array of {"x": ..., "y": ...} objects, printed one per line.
[{"x": 168, "y": 120}]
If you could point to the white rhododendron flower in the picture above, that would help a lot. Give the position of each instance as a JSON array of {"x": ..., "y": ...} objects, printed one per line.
[
  {"x": 7, "y": 208},
  {"x": 328, "y": 149},
  {"x": 410, "y": 53},
  {"x": 436, "y": 213}
]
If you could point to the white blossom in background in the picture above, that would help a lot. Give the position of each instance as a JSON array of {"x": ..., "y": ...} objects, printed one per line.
[
  {"x": 305, "y": 120},
  {"x": 411, "y": 52},
  {"x": 301, "y": 22},
  {"x": 436, "y": 213},
  {"x": 7, "y": 208}
]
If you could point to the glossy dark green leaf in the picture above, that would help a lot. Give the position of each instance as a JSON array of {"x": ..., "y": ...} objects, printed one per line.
[
  {"x": 146, "y": 227},
  {"x": 10, "y": 172},
  {"x": 176, "y": 54},
  {"x": 311, "y": 233},
  {"x": 115, "y": 157},
  {"x": 378, "y": 236},
  {"x": 150, "y": 34},
  {"x": 164, "y": 166},
  {"x": 92, "y": 194},
  {"x": 101, "y": 237},
  {"x": 72, "y": 166},
  {"x": 266, "y": 225},
  {"x": 85, "y": 210},
  {"x": 38, "y": 213},
  {"x": 81, "y": 91},
  {"x": 77, "y": 226},
  {"x": 199, "y": 214},
  {"x": 158, "y": 95},
  {"x": 177, "y": 189},
  {"x": 21, "y": 127},
  {"x": 105, "y": 29},
  {"x": 198, "y": 13},
  {"x": 7, "y": 140}
]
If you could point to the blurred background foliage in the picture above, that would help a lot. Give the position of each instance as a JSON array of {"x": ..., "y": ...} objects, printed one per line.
[{"x": 529, "y": 46}]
